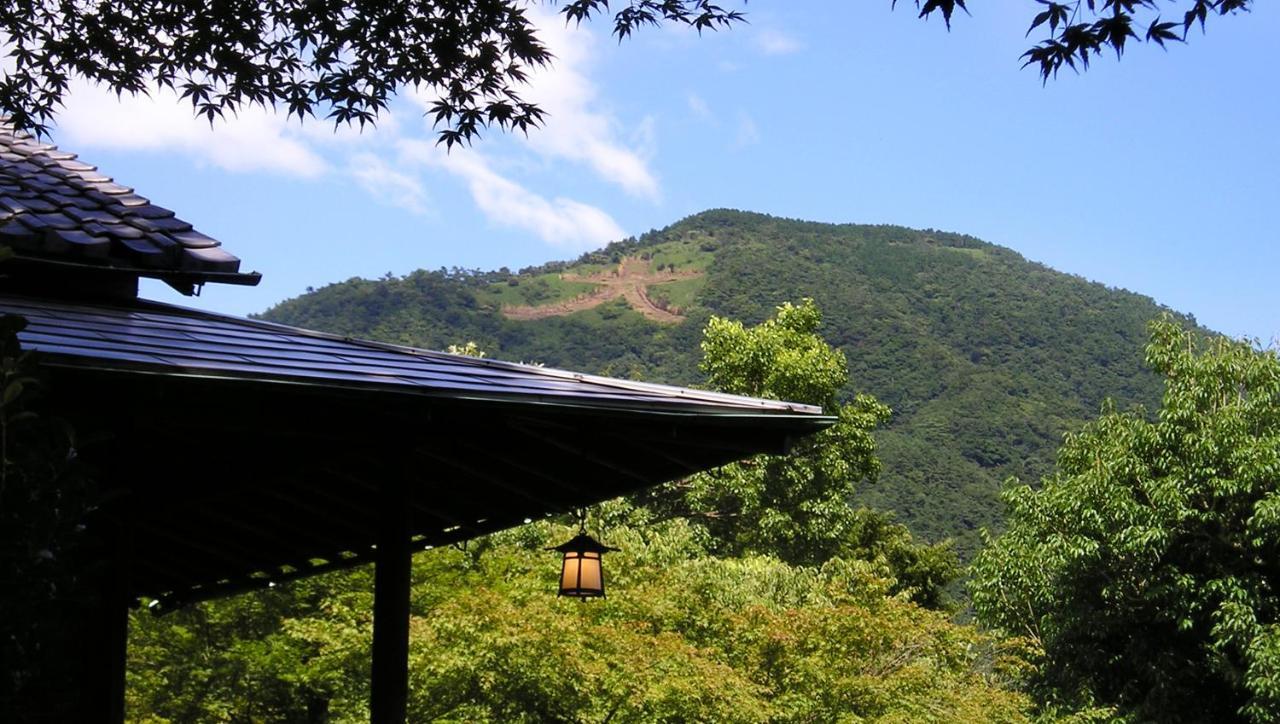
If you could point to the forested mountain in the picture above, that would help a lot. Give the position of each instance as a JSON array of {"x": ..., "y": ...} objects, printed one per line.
[{"x": 986, "y": 358}]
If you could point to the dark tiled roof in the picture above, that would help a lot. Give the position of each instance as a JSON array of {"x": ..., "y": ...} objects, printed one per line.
[
  {"x": 58, "y": 209},
  {"x": 150, "y": 337}
]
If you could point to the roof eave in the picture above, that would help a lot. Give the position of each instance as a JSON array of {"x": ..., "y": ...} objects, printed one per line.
[
  {"x": 185, "y": 282},
  {"x": 792, "y": 415}
]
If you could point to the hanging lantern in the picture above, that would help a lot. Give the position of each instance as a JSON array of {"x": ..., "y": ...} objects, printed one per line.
[{"x": 582, "y": 575}]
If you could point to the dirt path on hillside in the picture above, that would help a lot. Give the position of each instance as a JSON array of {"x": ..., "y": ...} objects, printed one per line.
[{"x": 627, "y": 281}]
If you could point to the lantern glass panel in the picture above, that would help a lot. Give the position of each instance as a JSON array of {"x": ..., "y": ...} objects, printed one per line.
[
  {"x": 581, "y": 575},
  {"x": 591, "y": 580},
  {"x": 569, "y": 574}
]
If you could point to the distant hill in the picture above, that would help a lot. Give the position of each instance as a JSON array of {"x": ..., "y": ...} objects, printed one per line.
[{"x": 985, "y": 357}]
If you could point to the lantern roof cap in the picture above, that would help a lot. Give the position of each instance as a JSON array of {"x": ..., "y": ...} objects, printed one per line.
[{"x": 583, "y": 543}]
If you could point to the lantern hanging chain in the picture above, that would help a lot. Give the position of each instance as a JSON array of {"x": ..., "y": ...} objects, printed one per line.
[{"x": 581, "y": 514}]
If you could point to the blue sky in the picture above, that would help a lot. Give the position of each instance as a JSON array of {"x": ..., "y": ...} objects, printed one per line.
[{"x": 1159, "y": 174}]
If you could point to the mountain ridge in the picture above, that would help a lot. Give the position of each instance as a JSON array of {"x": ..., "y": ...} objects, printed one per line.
[{"x": 986, "y": 358}]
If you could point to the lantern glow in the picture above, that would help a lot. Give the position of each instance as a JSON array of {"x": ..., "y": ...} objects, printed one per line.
[{"x": 582, "y": 573}]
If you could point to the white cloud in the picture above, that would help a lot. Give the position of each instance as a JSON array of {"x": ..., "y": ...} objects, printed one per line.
[
  {"x": 581, "y": 132},
  {"x": 253, "y": 140},
  {"x": 645, "y": 136},
  {"x": 775, "y": 42},
  {"x": 561, "y": 222},
  {"x": 577, "y": 127},
  {"x": 387, "y": 185},
  {"x": 699, "y": 107},
  {"x": 748, "y": 133}
]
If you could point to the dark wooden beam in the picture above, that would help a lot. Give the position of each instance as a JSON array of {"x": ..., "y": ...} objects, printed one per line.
[
  {"x": 386, "y": 472},
  {"x": 188, "y": 595},
  {"x": 310, "y": 543},
  {"x": 150, "y": 574},
  {"x": 336, "y": 562},
  {"x": 542, "y": 504},
  {"x": 724, "y": 441},
  {"x": 219, "y": 560},
  {"x": 268, "y": 535},
  {"x": 583, "y": 453},
  {"x": 330, "y": 516},
  {"x": 658, "y": 450},
  {"x": 513, "y": 461},
  {"x": 389, "y": 687}
]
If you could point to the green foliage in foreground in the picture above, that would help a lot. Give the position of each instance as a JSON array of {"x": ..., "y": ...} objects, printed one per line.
[
  {"x": 1146, "y": 568},
  {"x": 686, "y": 635},
  {"x": 683, "y": 636}
]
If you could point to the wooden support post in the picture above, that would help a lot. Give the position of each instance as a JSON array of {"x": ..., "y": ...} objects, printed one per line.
[
  {"x": 107, "y": 635},
  {"x": 389, "y": 687},
  {"x": 117, "y": 628}
]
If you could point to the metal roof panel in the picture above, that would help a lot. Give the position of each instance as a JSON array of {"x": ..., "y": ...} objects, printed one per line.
[{"x": 173, "y": 340}]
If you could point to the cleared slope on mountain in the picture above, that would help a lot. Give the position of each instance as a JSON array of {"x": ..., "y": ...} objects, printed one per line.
[{"x": 986, "y": 358}]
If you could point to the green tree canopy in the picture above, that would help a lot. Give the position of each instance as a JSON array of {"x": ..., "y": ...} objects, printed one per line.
[
  {"x": 1076, "y": 31},
  {"x": 798, "y": 507},
  {"x": 347, "y": 59},
  {"x": 340, "y": 57},
  {"x": 1146, "y": 567},
  {"x": 794, "y": 506},
  {"x": 683, "y": 636}
]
